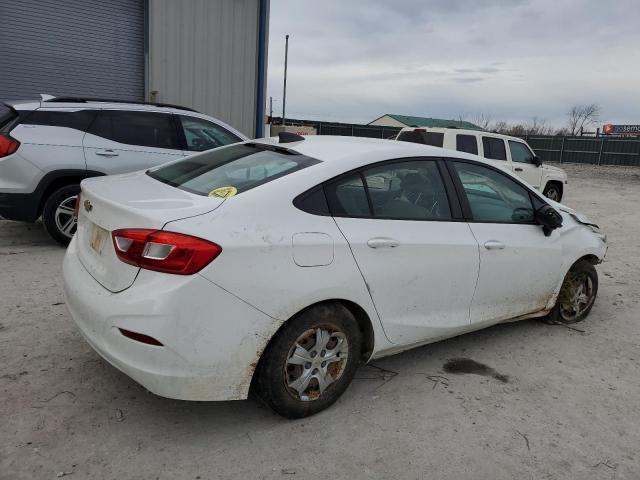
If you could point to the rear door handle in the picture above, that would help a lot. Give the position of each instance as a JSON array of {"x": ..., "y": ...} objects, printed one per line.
[
  {"x": 382, "y": 242},
  {"x": 107, "y": 153},
  {"x": 518, "y": 169},
  {"x": 494, "y": 245}
]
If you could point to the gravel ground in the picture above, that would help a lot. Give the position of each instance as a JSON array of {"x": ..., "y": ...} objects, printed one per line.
[{"x": 569, "y": 408}]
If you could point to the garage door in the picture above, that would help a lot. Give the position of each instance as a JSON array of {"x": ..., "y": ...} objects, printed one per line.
[{"x": 72, "y": 47}]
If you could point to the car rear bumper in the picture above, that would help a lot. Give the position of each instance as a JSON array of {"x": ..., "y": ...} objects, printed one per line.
[
  {"x": 19, "y": 206},
  {"x": 211, "y": 340}
]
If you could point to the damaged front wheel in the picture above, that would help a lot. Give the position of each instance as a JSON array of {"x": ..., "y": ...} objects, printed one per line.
[{"x": 577, "y": 294}]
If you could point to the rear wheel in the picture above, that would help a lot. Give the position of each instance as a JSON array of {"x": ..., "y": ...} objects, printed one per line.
[
  {"x": 310, "y": 362},
  {"x": 58, "y": 214},
  {"x": 553, "y": 191},
  {"x": 577, "y": 294}
]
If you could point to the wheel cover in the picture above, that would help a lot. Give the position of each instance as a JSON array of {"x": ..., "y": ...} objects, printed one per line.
[
  {"x": 576, "y": 296},
  {"x": 64, "y": 216},
  {"x": 317, "y": 359},
  {"x": 553, "y": 194}
]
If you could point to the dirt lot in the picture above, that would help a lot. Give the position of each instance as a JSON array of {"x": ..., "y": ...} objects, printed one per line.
[{"x": 569, "y": 408}]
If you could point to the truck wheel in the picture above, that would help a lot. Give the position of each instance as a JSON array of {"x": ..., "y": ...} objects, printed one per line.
[
  {"x": 553, "y": 191},
  {"x": 58, "y": 214}
]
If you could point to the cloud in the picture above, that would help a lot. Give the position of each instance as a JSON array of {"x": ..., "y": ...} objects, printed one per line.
[{"x": 513, "y": 60}]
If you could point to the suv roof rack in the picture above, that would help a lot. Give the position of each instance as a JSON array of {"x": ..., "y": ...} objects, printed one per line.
[{"x": 111, "y": 100}]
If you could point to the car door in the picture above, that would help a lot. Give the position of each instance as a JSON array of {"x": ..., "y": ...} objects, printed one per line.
[
  {"x": 120, "y": 141},
  {"x": 200, "y": 134},
  {"x": 418, "y": 258},
  {"x": 519, "y": 265},
  {"x": 522, "y": 162}
]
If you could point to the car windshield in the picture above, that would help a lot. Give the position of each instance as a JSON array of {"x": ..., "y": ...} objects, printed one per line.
[{"x": 231, "y": 170}]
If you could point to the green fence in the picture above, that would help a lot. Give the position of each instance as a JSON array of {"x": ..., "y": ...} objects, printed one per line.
[{"x": 590, "y": 150}]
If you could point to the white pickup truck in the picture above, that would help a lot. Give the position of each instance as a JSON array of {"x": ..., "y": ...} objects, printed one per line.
[{"x": 498, "y": 148}]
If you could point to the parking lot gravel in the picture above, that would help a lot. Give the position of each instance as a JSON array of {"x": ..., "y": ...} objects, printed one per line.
[{"x": 537, "y": 401}]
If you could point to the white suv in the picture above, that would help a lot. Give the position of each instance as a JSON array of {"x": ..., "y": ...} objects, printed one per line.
[
  {"x": 48, "y": 146},
  {"x": 499, "y": 149}
]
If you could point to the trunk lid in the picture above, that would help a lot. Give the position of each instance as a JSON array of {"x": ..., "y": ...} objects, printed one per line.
[{"x": 132, "y": 200}]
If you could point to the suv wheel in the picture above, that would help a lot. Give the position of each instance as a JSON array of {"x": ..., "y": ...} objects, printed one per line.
[
  {"x": 553, "y": 191},
  {"x": 58, "y": 214}
]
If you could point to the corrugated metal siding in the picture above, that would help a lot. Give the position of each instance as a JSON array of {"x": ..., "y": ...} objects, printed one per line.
[
  {"x": 203, "y": 54},
  {"x": 72, "y": 47}
]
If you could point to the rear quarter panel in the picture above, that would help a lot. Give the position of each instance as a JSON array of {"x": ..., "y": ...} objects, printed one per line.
[{"x": 256, "y": 230}]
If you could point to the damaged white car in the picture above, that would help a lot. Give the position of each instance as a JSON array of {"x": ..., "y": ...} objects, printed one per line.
[{"x": 283, "y": 265}]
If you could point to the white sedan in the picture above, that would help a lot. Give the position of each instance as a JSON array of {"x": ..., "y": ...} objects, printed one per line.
[{"x": 283, "y": 265}]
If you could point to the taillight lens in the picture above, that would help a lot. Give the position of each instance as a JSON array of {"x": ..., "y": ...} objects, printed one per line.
[
  {"x": 8, "y": 145},
  {"x": 76, "y": 208},
  {"x": 161, "y": 251}
]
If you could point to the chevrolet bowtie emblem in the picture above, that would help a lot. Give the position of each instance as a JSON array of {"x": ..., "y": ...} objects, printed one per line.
[{"x": 87, "y": 206}]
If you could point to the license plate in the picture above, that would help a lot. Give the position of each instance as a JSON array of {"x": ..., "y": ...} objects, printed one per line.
[{"x": 98, "y": 237}]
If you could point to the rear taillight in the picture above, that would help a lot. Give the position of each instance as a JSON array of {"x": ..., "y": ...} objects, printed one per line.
[
  {"x": 8, "y": 145},
  {"x": 167, "y": 252},
  {"x": 76, "y": 208}
]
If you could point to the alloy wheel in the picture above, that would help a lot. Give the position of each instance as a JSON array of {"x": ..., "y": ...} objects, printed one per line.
[{"x": 66, "y": 221}]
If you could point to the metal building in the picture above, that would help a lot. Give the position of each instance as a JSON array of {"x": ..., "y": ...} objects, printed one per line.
[{"x": 205, "y": 54}]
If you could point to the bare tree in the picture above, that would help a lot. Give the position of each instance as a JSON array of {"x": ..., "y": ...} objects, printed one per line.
[
  {"x": 580, "y": 116},
  {"x": 482, "y": 120}
]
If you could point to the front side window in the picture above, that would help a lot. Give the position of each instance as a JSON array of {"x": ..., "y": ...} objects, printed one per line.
[
  {"x": 230, "y": 170},
  {"x": 467, "y": 143},
  {"x": 411, "y": 190},
  {"x": 520, "y": 152},
  {"x": 494, "y": 148},
  {"x": 203, "y": 135},
  {"x": 494, "y": 197},
  {"x": 146, "y": 129}
]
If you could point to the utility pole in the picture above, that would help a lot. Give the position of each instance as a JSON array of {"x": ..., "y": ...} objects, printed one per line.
[{"x": 284, "y": 93}]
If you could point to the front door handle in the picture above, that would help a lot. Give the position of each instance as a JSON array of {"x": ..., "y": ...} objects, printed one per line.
[
  {"x": 107, "y": 153},
  {"x": 518, "y": 169},
  {"x": 382, "y": 242},
  {"x": 494, "y": 245}
]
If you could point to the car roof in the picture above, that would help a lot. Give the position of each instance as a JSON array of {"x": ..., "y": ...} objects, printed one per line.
[
  {"x": 352, "y": 152},
  {"x": 463, "y": 131},
  {"x": 80, "y": 103}
]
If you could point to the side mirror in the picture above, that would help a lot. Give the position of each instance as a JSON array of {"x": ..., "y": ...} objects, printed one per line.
[
  {"x": 536, "y": 161},
  {"x": 549, "y": 218}
]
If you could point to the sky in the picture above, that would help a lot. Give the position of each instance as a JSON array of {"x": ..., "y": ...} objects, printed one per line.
[{"x": 511, "y": 60}]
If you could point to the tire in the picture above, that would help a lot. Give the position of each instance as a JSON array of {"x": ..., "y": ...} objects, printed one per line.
[
  {"x": 289, "y": 360},
  {"x": 567, "y": 311},
  {"x": 553, "y": 191},
  {"x": 58, "y": 212}
]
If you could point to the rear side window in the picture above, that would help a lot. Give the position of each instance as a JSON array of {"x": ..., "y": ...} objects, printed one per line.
[
  {"x": 7, "y": 115},
  {"x": 435, "y": 139},
  {"x": 146, "y": 129},
  {"x": 78, "y": 120},
  {"x": 467, "y": 143},
  {"x": 200, "y": 134},
  {"x": 231, "y": 170},
  {"x": 494, "y": 148},
  {"x": 347, "y": 197}
]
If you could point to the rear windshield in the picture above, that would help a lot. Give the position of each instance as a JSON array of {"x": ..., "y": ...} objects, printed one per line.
[
  {"x": 230, "y": 170},
  {"x": 424, "y": 137},
  {"x": 6, "y": 115}
]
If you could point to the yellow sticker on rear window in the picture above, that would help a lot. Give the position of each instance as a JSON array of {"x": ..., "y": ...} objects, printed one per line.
[{"x": 223, "y": 192}]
